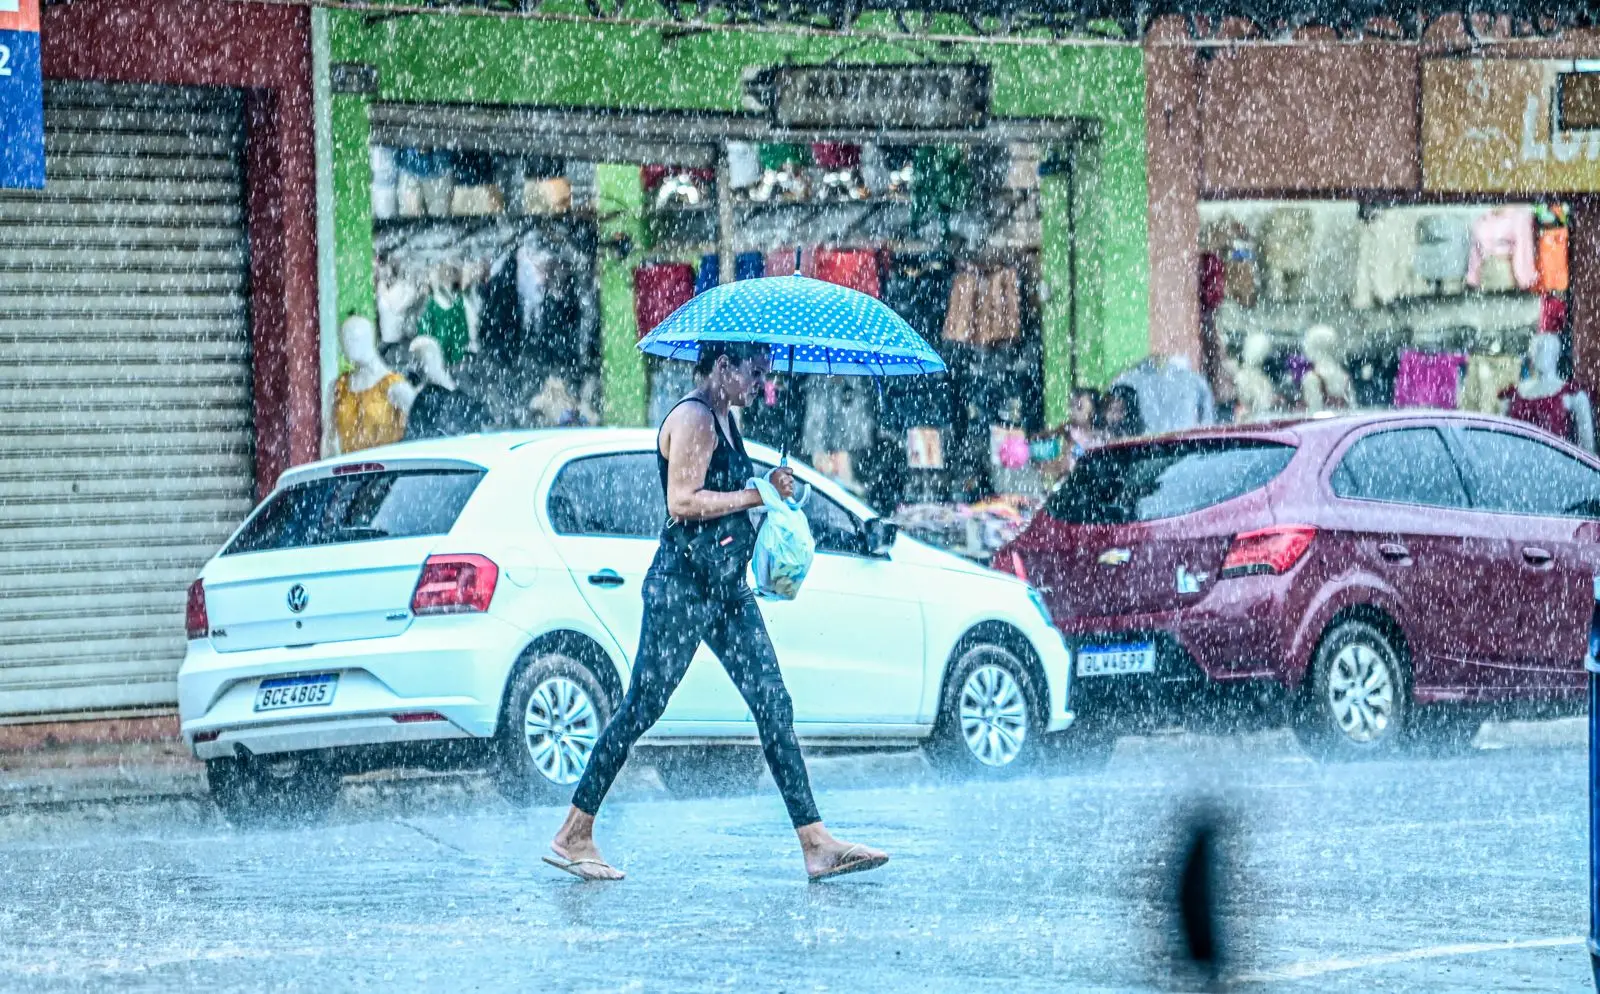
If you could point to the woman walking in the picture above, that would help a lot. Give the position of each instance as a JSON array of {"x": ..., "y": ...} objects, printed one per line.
[{"x": 695, "y": 592}]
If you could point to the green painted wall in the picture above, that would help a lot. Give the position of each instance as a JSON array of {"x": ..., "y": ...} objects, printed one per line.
[{"x": 443, "y": 59}]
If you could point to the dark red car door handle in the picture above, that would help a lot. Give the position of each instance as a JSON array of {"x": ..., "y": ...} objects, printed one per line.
[
  {"x": 1537, "y": 556},
  {"x": 1394, "y": 551}
]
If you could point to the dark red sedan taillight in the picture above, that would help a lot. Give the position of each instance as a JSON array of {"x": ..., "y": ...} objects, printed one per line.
[
  {"x": 1271, "y": 551},
  {"x": 195, "y": 620},
  {"x": 455, "y": 585}
]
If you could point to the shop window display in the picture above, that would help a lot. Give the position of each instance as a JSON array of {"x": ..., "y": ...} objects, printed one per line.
[
  {"x": 949, "y": 237},
  {"x": 1314, "y": 306},
  {"x": 486, "y": 287}
]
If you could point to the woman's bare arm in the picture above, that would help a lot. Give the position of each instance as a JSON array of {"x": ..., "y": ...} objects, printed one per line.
[{"x": 691, "y": 437}]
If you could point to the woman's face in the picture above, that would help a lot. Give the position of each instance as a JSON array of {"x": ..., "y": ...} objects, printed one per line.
[{"x": 745, "y": 378}]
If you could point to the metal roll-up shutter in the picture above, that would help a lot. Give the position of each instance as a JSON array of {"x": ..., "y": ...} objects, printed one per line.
[{"x": 126, "y": 432}]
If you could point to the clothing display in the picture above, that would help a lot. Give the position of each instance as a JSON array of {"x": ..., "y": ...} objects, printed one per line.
[
  {"x": 1213, "y": 281},
  {"x": 1550, "y": 413},
  {"x": 744, "y": 165},
  {"x": 1386, "y": 260},
  {"x": 365, "y": 419},
  {"x": 1428, "y": 379},
  {"x": 395, "y": 300},
  {"x": 749, "y": 266},
  {"x": 1552, "y": 314},
  {"x": 1172, "y": 397},
  {"x": 1504, "y": 234},
  {"x": 659, "y": 288},
  {"x": 1487, "y": 380},
  {"x": 1551, "y": 261},
  {"x": 1286, "y": 244},
  {"x": 440, "y": 413},
  {"x": 710, "y": 274},
  {"x": 445, "y": 321},
  {"x": 1444, "y": 244},
  {"x": 984, "y": 307},
  {"x": 835, "y": 155},
  {"x": 853, "y": 268}
]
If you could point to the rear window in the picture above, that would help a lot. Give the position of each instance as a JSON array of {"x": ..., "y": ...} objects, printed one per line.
[
  {"x": 360, "y": 508},
  {"x": 1125, "y": 484}
]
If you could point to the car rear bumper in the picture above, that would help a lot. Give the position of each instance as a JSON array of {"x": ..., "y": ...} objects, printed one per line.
[
  {"x": 454, "y": 667},
  {"x": 1179, "y": 692}
]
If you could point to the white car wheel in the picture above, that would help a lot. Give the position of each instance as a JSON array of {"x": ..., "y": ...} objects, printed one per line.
[
  {"x": 991, "y": 723},
  {"x": 552, "y": 717}
]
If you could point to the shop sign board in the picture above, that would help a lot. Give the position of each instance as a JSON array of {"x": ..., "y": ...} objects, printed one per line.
[
  {"x": 886, "y": 97},
  {"x": 1490, "y": 125},
  {"x": 21, "y": 97}
]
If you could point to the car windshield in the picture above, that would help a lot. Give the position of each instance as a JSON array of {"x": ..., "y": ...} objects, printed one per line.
[{"x": 1130, "y": 483}]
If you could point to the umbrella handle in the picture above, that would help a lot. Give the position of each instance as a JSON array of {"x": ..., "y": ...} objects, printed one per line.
[{"x": 790, "y": 399}]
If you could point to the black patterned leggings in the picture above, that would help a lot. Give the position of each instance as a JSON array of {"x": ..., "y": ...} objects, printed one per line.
[{"x": 677, "y": 618}]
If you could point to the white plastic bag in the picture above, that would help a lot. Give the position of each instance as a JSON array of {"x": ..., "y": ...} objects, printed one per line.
[{"x": 784, "y": 547}]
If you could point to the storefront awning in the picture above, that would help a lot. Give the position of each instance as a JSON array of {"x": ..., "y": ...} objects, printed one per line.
[{"x": 1046, "y": 21}]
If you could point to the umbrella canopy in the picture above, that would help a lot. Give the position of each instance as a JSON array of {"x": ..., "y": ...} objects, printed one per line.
[{"x": 813, "y": 327}]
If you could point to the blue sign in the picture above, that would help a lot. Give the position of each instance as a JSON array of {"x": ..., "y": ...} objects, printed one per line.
[{"x": 21, "y": 111}]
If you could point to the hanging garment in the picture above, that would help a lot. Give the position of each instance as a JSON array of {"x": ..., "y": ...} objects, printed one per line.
[
  {"x": 499, "y": 319},
  {"x": 1505, "y": 233},
  {"x": 1443, "y": 245},
  {"x": 1549, "y": 413},
  {"x": 710, "y": 273},
  {"x": 835, "y": 155},
  {"x": 1172, "y": 397},
  {"x": 1551, "y": 261},
  {"x": 367, "y": 418},
  {"x": 446, "y": 323},
  {"x": 775, "y": 155},
  {"x": 781, "y": 262},
  {"x": 1213, "y": 281},
  {"x": 395, "y": 300},
  {"x": 1372, "y": 376},
  {"x": 744, "y": 165},
  {"x": 1487, "y": 380},
  {"x": 441, "y": 413},
  {"x": 985, "y": 307},
  {"x": 853, "y": 268},
  {"x": 749, "y": 266},
  {"x": 1552, "y": 315},
  {"x": 1236, "y": 247},
  {"x": 1385, "y": 261},
  {"x": 1286, "y": 244},
  {"x": 659, "y": 288},
  {"x": 1428, "y": 379},
  {"x": 943, "y": 183}
]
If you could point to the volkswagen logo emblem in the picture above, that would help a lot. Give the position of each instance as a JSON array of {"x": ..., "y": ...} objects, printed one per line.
[{"x": 297, "y": 598}]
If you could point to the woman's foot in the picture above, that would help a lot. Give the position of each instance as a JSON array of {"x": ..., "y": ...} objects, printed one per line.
[
  {"x": 827, "y": 856},
  {"x": 574, "y": 843}
]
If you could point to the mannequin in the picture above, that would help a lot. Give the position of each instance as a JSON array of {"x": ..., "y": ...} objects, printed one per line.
[
  {"x": 1172, "y": 396},
  {"x": 1257, "y": 396},
  {"x": 1327, "y": 386},
  {"x": 367, "y": 406},
  {"x": 1546, "y": 400},
  {"x": 444, "y": 316},
  {"x": 440, "y": 410}
]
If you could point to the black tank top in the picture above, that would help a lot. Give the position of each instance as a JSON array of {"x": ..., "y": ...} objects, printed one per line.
[{"x": 730, "y": 469}]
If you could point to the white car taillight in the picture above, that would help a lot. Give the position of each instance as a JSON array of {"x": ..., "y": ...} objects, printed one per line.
[{"x": 455, "y": 584}]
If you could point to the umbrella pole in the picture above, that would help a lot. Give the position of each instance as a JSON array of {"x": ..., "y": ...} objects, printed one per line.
[{"x": 788, "y": 400}]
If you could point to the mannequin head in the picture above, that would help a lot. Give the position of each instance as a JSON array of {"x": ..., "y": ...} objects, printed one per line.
[
  {"x": 1257, "y": 347},
  {"x": 1544, "y": 355},
  {"x": 429, "y": 358},
  {"x": 360, "y": 341},
  {"x": 1321, "y": 344},
  {"x": 445, "y": 278}
]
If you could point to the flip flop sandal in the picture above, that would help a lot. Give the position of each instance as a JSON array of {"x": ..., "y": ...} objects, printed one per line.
[
  {"x": 848, "y": 865},
  {"x": 571, "y": 866}
]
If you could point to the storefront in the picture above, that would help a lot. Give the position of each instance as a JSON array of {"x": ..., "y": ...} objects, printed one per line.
[
  {"x": 1406, "y": 259},
  {"x": 158, "y": 309},
  {"x": 544, "y": 221}
]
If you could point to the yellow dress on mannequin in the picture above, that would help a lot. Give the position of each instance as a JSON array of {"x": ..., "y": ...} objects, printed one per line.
[{"x": 367, "y": 418}]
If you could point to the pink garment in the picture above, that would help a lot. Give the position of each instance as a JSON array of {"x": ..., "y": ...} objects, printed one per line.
[
  {"x": 1552, "y": 314},
  {"x": 1428, "y": 379},
  {"x": 1504, "y": 232},
  {"x": 780, "y": 262}
]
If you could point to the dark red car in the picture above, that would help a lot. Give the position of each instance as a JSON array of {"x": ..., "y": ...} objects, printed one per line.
[{"x": 1372, "y": 580}]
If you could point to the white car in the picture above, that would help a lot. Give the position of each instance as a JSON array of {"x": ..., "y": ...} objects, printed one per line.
[{"x": 476, "y": 602}]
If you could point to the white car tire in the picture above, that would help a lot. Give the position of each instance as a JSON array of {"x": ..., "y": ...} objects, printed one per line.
[
  {"x": 991, "y": 721},
  {"x": 268, "y": 790},
  {"x": 552, "y": 716}
]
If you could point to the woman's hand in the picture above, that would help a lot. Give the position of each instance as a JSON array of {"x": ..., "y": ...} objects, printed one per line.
[{"x": 782, "y": 480}]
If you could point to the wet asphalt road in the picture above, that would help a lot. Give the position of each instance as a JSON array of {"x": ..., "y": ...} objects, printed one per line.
[{"x": 1430, "y": 875}]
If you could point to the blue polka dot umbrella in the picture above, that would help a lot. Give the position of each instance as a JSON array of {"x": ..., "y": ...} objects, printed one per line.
[{"x": 812, "y": 326}]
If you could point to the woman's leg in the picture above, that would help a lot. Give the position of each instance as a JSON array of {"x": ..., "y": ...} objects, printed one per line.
[
  {"x": 739, "y": 638},
  {"x": 675, "y": 620}
]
